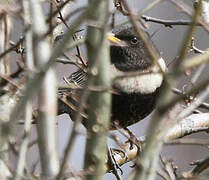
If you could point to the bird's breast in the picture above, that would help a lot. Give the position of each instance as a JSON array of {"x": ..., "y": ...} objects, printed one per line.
[
  {"x": 128, "y": 109},
  {"x": 145, "y": 83}
]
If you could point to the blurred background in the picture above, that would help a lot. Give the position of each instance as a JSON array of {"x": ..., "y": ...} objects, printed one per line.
[{"x": 168, "y": 41}]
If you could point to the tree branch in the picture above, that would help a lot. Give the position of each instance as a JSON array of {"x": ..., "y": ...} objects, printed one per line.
[
  {"x": 167, "y": 23},
  {"x": 192, "y": 124},
  {"x": 100, "y": 103},
  {"x": 46, "y": 122},
  {"x": 28, "y": 108}
]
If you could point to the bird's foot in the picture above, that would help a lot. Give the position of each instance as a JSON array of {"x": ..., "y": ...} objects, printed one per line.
[
  {"x": 113, "y": 165},
  {"x": 133, "y": 140}
]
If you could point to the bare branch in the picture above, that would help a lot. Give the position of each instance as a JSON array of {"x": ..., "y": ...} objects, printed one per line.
[
  {"x": 192, "y": 124},
  {"x": 46, "y": 126},
  {"x": 28, "y": 108},
  {"x": 167, "y": 23},
  {"x": 100, "y": 103}
]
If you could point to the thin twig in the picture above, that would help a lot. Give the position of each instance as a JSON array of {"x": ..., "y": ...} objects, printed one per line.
[
  {"x": 196, "y": 103},
  {"x": 11, "y": 48},
  {"x": 185, "y": 96},
  {"x": 201, "y": 165},
  {"x": 167, "y": 23},
  {"x": 28, "y": 109},
  {"x": 188, "y": 141},
  {"x": 186, "y": 9},
  {"x": 74, "y": 38}
]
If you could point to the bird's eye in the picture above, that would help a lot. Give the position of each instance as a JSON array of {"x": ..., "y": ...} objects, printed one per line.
[{"x": 134, "y": 40}]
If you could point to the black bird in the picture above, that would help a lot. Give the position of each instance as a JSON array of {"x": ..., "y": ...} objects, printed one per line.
[{"x": 135, "y": 96}]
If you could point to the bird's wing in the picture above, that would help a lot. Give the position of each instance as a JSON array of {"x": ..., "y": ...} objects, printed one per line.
[
  {"x": 69, "y": 98},
  {"x": 68, "y": 102},
  {"x": 78, "y": 78}
]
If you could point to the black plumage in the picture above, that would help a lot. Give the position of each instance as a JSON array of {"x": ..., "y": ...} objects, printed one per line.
[
  {"x": 135, "y": 97},
  {"x": 133, "y": 57}
]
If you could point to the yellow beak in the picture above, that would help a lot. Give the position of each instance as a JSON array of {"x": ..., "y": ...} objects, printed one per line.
[
  {"x": 114, "y": 40},
  {"x": 111, "y": 37}
]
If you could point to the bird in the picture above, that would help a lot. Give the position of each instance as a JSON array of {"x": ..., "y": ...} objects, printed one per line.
[{"x": 133, "y": 97}]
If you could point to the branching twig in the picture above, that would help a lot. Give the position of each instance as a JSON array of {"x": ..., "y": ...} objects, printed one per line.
[
  {"x": 185, "y": 8},
  {"x": 11, "y": 48}
]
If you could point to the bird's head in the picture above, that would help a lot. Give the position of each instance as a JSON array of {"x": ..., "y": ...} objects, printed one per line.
[{"x": 134, "y": 57}]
